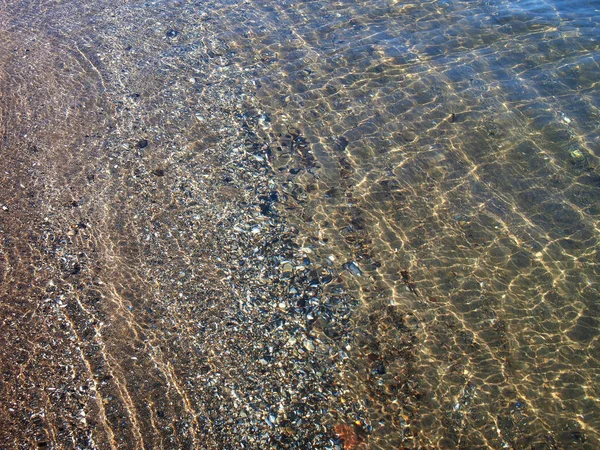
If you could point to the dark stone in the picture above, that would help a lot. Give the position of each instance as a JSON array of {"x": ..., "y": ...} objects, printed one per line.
[
  {"x": 342, "y": 143},
  {"x": 584, "y": 330},
  {"x": 265, "y": 208},
  {"x": 158, "y": 172},
  {"x": 295, "y": 170},
  {"x": 379, "y": 368},
  {"x": 142, "y": 143},
  {"x": 571, "y": 437},
  {"x": 172, "y": 33}
]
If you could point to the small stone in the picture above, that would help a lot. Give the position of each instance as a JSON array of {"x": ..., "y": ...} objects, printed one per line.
[
  {"x": 287, "y": 268},
  {"x": 353, "y": 268},
  {"x": 326, "y": 279},
  {"x": 171, "y": 33},
  {"x": 309, "y": 345},
  {"x": 142, "y": 143},
  {"x": 410, "y": 321},
  {"x": 270, "y": 421},
  {"x": 577, "y": 155}
]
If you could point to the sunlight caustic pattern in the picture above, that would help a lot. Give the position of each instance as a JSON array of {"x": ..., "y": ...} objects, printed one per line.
[{"x": 281, "y": 225}]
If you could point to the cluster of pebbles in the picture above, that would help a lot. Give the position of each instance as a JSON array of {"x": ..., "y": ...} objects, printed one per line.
[
  {"x": 154, "y": 295},
  {"x": 158, "y": 291}
]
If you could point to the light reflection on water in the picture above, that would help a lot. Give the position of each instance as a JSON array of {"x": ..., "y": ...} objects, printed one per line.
[
  {"x": 441, "y": 155},
  {"x": 457, "y": 150}
]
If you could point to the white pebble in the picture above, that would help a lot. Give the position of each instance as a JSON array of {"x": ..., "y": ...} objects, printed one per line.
[{"x": 309, "y": 346}]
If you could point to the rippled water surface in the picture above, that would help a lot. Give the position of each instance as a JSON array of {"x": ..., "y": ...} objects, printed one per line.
[{"x": 312, "y": 224}]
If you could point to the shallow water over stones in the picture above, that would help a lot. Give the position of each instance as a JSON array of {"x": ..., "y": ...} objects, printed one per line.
[{"x": 299, "y": 224}]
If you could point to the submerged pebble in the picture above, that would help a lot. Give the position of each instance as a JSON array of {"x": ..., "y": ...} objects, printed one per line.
[
  {"x": 287, "y": 268},
  {"x": 308, "y": 345},
  {"x": 577, "y": 155},
  {"x": 353, "y": 268}
]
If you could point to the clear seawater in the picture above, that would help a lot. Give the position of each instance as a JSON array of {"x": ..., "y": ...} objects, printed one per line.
[{"x": 443, "y": 156}]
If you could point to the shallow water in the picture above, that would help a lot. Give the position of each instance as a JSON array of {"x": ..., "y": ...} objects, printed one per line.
[{"x": 300, "y": 224}]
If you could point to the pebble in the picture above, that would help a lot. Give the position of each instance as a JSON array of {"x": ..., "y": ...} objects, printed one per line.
[
  {"x": 577, "y": 155},
  {"x": 287, "y": 268},
  {"x": 353, "y": 268},
  {"x": 309, "y": 345}
]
